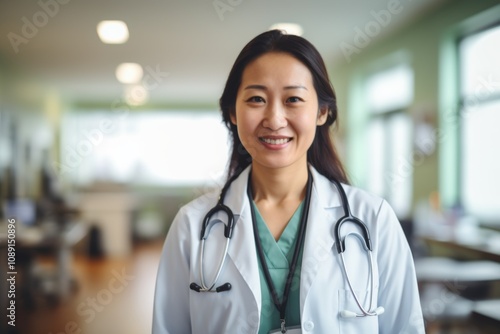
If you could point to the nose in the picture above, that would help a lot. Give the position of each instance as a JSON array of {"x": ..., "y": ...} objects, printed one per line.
[{"x": 275, "y": 117}]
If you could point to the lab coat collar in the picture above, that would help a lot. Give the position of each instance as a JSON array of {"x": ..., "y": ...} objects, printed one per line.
[
  {"x": 327, "y": 194},
  {"x": 236, "y": 199},
  {"x": 319, "y": 236}
]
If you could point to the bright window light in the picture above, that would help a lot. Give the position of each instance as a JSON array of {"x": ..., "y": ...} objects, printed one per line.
[
  {"x": 391, "y": 89},
  {"x": 400, "y": 181},
  {"x": 129, "y": 73},
  {"x": 183, "y": 148},
  {"x": 389, "y": 136},
  {"x": 479, "y": 66},
  {"x": 112, "y": 32},
  {"x": 376, "y": 154},
  {"x": 480, "y": 116},
  {"x": 481, "y": 162}
]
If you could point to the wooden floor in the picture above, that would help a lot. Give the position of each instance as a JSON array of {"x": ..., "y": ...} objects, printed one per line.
[
  {"x": 111, "y": 296},
  {"x": 116, "y": 296}
]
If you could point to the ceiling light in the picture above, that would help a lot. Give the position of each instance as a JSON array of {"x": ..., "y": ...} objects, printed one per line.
[
  {"x": 112, "y": 32},
  {"x": 129, "y": 73},
  {"x": 289, "y": 28}
]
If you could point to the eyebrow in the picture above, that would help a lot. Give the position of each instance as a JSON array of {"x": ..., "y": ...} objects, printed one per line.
[{"x": 262, "y": 87}]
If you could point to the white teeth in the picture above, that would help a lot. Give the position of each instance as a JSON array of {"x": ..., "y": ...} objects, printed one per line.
[{"x": 275, "y": 141}]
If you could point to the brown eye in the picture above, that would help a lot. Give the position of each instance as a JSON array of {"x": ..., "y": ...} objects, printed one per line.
[
  {"x": 294, "y": 99},
  {"x": 255, "y": 99}
]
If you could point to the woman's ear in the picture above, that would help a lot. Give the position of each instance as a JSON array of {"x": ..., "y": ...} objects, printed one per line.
[
  {"x": 232, "y": 116},
  {"x": 322, "y": 115}
]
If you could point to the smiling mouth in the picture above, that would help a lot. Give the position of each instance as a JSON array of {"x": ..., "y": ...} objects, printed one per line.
[{"x": 274, "y": 141}]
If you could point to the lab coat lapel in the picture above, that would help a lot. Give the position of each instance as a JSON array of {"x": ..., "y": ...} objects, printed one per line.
[
  {"x": 242, "y": 249},
  {"x": 319, "y": 240}
]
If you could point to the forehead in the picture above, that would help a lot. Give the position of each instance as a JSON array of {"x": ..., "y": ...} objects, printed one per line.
[{"x": 277, "y": 67}]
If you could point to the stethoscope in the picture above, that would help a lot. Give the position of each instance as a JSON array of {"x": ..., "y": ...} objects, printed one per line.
[
  {"x": 367, "y": 245},
  {"x": 205, "y": 231},
  {"x": 364, "y": 239}
]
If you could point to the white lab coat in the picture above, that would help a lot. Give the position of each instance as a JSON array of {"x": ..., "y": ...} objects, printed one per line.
[{"x": 324, "y": 292}]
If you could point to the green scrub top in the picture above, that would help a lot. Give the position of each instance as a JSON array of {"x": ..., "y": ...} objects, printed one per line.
[{"x": 279, "y": 255}]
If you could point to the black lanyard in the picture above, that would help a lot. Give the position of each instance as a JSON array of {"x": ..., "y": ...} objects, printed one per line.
[{"x": 281, "y": 306}]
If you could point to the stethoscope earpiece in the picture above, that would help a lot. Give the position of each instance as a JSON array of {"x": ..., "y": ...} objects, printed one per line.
[{"x": 224, "y": 287}]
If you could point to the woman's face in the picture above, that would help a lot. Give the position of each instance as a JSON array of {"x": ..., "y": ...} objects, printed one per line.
[{"x": 277, "y": 111}]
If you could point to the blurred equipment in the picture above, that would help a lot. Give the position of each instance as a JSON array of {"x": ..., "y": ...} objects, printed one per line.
[
  {"x": 95, "y": 249},
  {"x": 451, "y": 289},
  {"x": 50, "y": 239},
  {"x": 24, "y": 210}
]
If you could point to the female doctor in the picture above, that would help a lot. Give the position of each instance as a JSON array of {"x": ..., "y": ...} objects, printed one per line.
[{"x": 275, "y": 255}]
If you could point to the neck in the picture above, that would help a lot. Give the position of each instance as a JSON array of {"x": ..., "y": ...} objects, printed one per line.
[{"x": 279, "y": 185}]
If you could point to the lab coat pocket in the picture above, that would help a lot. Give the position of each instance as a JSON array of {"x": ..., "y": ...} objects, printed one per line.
[
  {"x": 347, "y": 304},
  {"x": 212, "y": 310}
]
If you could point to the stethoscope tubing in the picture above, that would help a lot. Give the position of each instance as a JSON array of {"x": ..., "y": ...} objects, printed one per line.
[
  {"x": 365, "y": 242},
  {"x": 205, "y": 231},
  {"x": 204, "y": 287},
  {"x": 340, "y": 242},
  {"x": 356, "y": 299}
]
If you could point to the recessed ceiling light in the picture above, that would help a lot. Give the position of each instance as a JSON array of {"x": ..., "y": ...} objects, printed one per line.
[
  {"x": 289, "y": 28},
  {"x": 112, "y": 32},
  {"x": 129, "y": 73}
]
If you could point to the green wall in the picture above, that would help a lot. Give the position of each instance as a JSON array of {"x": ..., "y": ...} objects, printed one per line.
[{"x": 428, "y": 46}]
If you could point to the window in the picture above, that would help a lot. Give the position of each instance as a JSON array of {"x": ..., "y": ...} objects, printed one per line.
[
  {"x": 388, "y": 93},
  {"x": 480, "y": 119},
  {"x": 151, "y": 148}
]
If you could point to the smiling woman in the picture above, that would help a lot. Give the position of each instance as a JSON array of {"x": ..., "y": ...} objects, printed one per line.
[
  {"x": 277, "y": 91},
  {"x": 286, "y": 226}
]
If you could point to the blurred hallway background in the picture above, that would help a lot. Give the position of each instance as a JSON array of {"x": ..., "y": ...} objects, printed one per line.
[
  {"x": 93, "y": 306},
  {"x": 102, "y": 142}
]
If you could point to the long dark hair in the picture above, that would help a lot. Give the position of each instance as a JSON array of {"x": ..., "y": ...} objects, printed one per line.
[{"x": 321, "y": 155}]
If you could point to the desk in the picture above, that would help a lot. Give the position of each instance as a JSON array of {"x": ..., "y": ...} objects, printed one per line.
[
  {"x": 489, "y": 309},
  {"x": 31, "y": 240},
  {"x": 446, "y": 270},
  {"x": 485, "y": 246},
  {"x": 486, "y": 314},
  {"x": 110, "y": 212}
]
